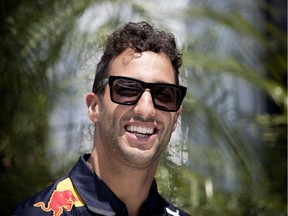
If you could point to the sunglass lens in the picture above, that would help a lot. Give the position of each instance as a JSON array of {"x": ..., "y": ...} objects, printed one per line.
[
  {"x": 166, "y": 97},
  {"x": 126, "y": 91}
]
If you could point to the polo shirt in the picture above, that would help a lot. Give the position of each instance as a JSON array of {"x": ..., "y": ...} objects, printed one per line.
[{"x": 83, "y": 193}]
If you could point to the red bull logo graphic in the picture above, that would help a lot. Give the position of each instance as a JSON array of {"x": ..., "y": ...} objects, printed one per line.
[
  {"x": 63, "y": 198},
  {"x": 59, "y": 200}
]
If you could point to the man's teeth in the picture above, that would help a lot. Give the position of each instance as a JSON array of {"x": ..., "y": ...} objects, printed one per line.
[{"x": 140, "y": 130}]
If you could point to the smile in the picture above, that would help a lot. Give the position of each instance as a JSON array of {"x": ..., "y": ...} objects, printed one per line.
[{"x": 141, "y": 132}]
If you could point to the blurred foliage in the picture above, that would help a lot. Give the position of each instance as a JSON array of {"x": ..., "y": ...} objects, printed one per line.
[
  {"x": 31, "y": 37},
  {"x": 241, "y": 155},
  {"x": 248, "y": 149}
]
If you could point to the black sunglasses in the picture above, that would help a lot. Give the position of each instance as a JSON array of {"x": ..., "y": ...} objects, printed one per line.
[{"x": 128, "y": 91}]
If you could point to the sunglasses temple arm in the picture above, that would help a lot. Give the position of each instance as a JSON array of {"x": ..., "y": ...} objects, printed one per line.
[{"x": 100, "y": 84}]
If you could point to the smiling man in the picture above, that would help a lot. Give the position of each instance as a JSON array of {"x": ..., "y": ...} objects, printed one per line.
[{"x": 135, "y": 104}]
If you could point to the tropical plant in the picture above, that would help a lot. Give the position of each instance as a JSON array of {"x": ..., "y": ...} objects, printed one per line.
[
  {"x": 32, "y": 34},
  {"x": 233, "y": 150}
]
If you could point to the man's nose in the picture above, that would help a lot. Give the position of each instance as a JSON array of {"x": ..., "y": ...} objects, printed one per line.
[{"x": 145, "y": 106}]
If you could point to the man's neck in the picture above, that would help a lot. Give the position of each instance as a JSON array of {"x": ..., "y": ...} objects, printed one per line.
[{"x": 131, "y": 186}]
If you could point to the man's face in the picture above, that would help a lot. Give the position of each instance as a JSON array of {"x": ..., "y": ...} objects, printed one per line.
[{"x": 136, "y": 135}]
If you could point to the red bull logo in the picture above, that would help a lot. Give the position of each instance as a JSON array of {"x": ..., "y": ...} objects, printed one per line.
[
  {"x": 59, "y": 200},
  {"x": 64, "y": 197}
]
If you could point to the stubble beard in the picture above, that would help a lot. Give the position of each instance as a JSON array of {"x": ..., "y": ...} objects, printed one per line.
[{"x": 117, "y": 152}]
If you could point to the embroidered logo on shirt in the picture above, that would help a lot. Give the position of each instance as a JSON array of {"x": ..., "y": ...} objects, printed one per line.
[
  {"x": 64, "y": 197},
  {"x": 172, "y": 212}
]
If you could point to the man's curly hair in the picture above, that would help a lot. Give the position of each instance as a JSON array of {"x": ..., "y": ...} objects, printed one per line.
[{"x": 139, "y": 37}]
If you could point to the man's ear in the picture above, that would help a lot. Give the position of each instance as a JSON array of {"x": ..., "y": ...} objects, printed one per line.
[
  {"x": 178, "y": 113},
  {"x": 92, "y": 101}
]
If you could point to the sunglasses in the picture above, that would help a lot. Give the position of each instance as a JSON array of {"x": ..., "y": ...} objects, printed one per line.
[{"x": 128, "y": 91}]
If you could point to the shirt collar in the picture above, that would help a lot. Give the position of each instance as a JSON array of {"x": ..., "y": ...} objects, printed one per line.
[{"x": 100, "y": 199}]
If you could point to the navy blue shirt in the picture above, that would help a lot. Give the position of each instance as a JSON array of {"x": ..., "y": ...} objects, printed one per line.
[{"x": 83, "y": 193}]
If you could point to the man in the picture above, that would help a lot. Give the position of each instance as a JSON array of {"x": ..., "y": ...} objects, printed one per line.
[{"x": 135, "y": 104}]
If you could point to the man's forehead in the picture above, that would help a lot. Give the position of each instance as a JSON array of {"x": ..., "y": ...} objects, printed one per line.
[{"x": 130, "y": 54}]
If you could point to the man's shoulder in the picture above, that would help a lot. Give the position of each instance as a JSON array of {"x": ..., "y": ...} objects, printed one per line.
[
  {"x": 59, "y": 197},
  {"x": 171, "y": 209}
]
